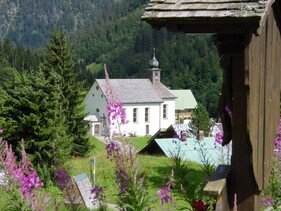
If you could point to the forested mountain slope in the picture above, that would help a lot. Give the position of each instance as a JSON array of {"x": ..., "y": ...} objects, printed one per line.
[
  {"x": 29, "y": 22},
  {"x": 111, "y": 32}
]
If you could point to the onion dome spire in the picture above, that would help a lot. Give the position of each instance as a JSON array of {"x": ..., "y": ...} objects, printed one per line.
[{"x": 153, "y": 63}]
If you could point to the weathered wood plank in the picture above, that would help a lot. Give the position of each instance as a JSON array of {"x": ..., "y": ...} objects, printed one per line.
[
  {"x": 218, "y": 180},
  {"x": 268, "y": 112},
  {"x": 201, "y": 1},
  {"x": 214, "y": 1},
  {"x": 207, "y": 7},
  {"x": 257, "y": 127},
  {"x": 215, "y": 187},
  {"x": 256, "y": 55},
  {"x": 257, "y": 124},
  {"x": 193, "y": 14}
]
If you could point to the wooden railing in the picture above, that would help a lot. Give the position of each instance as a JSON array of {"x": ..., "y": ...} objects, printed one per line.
[{"x": 217, "y": 187}]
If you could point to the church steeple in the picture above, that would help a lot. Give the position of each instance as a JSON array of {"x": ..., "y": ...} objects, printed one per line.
[{"x": 154, "y": 70}]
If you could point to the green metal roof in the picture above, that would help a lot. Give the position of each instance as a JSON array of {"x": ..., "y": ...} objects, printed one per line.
[
  {"x": 185, "y": 99},
  {"x": 192, "y": 149}
]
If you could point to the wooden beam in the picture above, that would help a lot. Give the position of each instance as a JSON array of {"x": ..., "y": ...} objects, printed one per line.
[
  {"x": 230, "y": 44},
  {"x": 204, "y": 27}
]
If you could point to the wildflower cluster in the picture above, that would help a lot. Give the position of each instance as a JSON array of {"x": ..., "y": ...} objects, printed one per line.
[
  {"x": 62, "y": 178},
  {"x": 99, "y": 198},
  {"x": 268, "y": 202},
  {"x": 218, "y": 138},
  {"x": 277, "y": 141},
  {"x": 112, "y": 148},
  {"x": 23, "y": 174},
  {"x": 165, "y": 192},
  {"x": 165, "y": 195},
  {"x": 115, "y": 111},
  {"x": 67, "y": 187},
  {"x": 97, "y": 192},
  {"x": 21, "y": 180},
  {"x": 132, "y": 193},
  {"x": 271, "y": 195},
  {"x": 224, "y": 156}
]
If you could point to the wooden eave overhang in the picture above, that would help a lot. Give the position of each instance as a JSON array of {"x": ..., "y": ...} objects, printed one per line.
[{"x": 207, "y": 16}]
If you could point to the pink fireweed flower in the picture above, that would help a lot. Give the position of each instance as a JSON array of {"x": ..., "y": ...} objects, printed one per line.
[
  {"x": 115, "y": 111},
  {"x": 268, "y": 202},
  {"x": 165, "y": 192},
  {"x": 112, "y": 148},
  {"x": 62, "y": 178},
  {"x": 97, "y": 191},
  {"x": 218, "y": 139},
  {"x": 23, "y": 175},
  {"x": 165, "y": 195},
  {"x": 29, "y": 178},
  {"x": 277, "y": 141},
  {"x": 30, "y": 183},
  {"x": 10, "y": 162}
]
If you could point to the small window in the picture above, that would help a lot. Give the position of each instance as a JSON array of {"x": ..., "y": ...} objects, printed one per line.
[
  {"x": 98, "y": 110},
  {"x": 101, "y": 96},
  {"x": 165, "y": 107},
  {"x": 146, "y": 129},
  {"x": 97, "y": 87},
  {"x": 146, "y": 115},
  {"x": 93, "y": 95},
  {"x": 135, "y": 115}
]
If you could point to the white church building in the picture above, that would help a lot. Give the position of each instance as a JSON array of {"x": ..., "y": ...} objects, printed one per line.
[{"x": 149, "y": 105}]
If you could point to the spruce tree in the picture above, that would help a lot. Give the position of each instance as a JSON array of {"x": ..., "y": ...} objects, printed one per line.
[
  {"x": 60, "y": 59},
  {"x": 32, "y": 113},
  {"x": 200, "y": 120}
]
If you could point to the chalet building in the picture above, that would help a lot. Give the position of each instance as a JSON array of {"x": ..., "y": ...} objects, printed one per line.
[
  {"x": 185, "y": 103},
  {"x": 149, "y": 105}
]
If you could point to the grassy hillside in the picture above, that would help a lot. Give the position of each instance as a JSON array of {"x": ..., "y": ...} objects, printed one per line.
[{"x": 155, "y": 168}]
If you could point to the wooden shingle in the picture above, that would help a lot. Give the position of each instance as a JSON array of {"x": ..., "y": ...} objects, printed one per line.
[{"x": 162, "y": 13}]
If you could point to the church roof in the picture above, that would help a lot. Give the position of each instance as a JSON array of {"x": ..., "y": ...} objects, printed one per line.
[{"x": 137, "y": 90}]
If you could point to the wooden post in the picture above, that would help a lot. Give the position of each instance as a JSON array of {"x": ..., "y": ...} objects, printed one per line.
[{"x": 242, "y": 179}]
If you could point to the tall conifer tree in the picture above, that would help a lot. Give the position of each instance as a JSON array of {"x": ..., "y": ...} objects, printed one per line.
[
  {"x": 60, "y": 59},
  {"x": 31, "y": 112},
  {"x": 200, "y": 120}
]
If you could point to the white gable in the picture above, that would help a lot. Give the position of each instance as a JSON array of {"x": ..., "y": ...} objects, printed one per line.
[{"x": 145, "y": 118}]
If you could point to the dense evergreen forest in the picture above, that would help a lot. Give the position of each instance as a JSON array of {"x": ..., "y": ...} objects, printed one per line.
[{"x": 111, "y": 32}]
